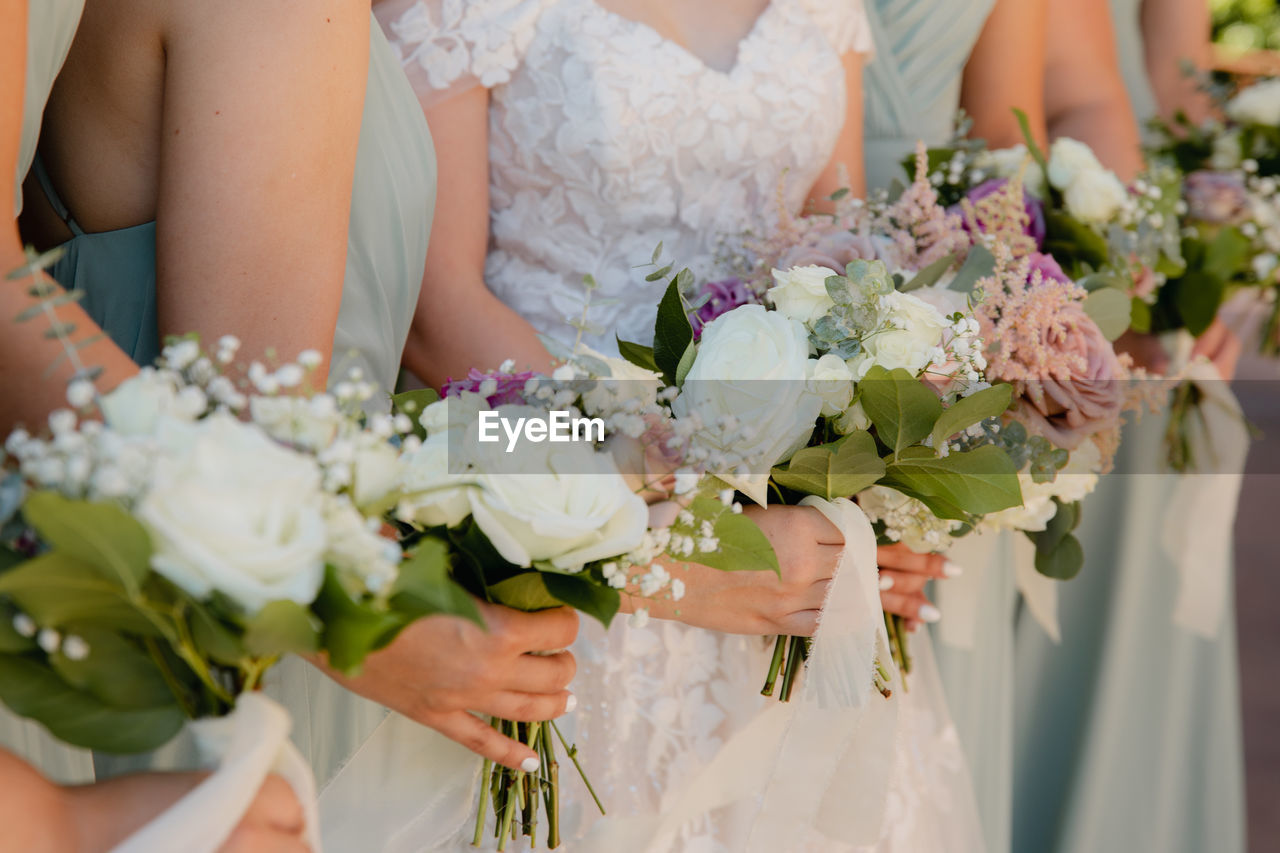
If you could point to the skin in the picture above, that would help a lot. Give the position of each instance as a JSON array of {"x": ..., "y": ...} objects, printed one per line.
[
  {"x": 1174, "y": 31},
  {"x": 1006, "y": 70},
  {"x": 41, "y": 817},
  {"x": 149, "y": 120}
]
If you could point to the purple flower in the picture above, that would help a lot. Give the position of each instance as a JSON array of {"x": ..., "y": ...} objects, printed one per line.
[
  {"x": 1217, "y": 197},
  {"x": 1049, "y": 268},
  {"x": 507, "y": 389},
  {"x": 1035, "y": 210},
  {"x": 724, "y": 297}
]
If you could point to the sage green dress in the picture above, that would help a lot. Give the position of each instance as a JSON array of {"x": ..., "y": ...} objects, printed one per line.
[
  {"x": 51, "y": 25},
  {"x": 912, "y": 92},
  {"x": 391, "y": 212},
  {"x": 1129, "y": 732}
]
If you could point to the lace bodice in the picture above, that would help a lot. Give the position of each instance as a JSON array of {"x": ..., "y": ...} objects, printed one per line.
[{"x": 606, "y": 139}]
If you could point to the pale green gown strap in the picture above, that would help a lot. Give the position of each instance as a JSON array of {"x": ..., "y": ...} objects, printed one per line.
[
  {"x": 1127, "y": 18},
  {"x": 912, "y": 87},
  {"x": 51, "y": 25},
  {"x": 391, "y": 213}
]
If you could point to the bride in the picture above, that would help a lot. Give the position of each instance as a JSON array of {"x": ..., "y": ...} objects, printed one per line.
[{"x": 574, "y": 136}]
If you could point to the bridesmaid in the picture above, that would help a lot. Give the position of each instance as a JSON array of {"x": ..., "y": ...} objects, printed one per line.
[
  {"x": 313, "y": 235},
  {"x": 1129, "y": 733},
  {"x": 933, "y": 57}
]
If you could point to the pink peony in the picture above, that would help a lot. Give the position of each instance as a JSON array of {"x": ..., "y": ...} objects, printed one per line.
[{"x": 834, "y": 250}]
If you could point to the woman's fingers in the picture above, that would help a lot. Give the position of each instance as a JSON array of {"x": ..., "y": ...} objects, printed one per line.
[
  {"x": 528, "y": 707},
  {"x": 276, "y": 807},
  {"x": 903, "y": 559},
  {"x": 905, "y": 583},
  {"x": 543, "y": 631},
  {"x": 546, "y": 674},
  {"x": 802, "y": 623},
  {"x": 914, "y": 606},
  {"x": 479, "y": 737}
]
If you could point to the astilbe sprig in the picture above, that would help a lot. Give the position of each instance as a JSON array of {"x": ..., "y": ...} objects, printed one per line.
[{"x": 920, "y": 228}]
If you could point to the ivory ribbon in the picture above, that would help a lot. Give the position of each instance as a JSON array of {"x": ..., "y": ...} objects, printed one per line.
[
  {"x": 246, "y": 745},
  {"x": 820, "y": 762},
  {"x": 1199, "y": 521}
]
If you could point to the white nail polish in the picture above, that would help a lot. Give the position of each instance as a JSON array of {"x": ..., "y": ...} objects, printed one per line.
[
  {"x": 530, "y": 765},
  {"x": 929, "y": 613},
  {"x": 886, "y": 582},
  {"x": 570, "y": 704},
  {"x": 952, "y": 570}
]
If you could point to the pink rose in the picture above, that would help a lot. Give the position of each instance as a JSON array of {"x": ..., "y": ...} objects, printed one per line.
[{"x": 834, "y": 250}]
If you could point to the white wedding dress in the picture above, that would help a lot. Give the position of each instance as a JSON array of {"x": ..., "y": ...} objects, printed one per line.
[{"x": 604, "y": 140}]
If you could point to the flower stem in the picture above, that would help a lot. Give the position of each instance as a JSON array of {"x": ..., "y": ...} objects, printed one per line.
[
  {"x": 795, "y": 661},
  {"x": 775, "y": 665},
  {"x": 573, "y": 756}
]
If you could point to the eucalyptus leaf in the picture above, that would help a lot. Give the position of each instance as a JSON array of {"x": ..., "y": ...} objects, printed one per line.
[
  {"x": 902, "y": 409},
  {"x": 282, "y": 627},
  {"x": 839, "y": 469},
  {"x": 1111, "y": 310},
  {"x": 99, "y": 534},
  {"x": 1139, "y": 316},
  {"x": 1197, "y": 297},
  {"x": 967, "y": 411},
  {"x": 1062, "y": 562},
  {"x": 930, "y": 275},
  {"x": 77, "y": 717},
  {"x": 686, "y": 363},
  {"x": 979, "y": 264}
]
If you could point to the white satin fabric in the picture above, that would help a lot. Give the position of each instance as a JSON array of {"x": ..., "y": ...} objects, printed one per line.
[{"x": 241, "y": 748}]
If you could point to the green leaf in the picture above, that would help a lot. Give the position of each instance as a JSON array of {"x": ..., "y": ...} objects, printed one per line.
[
  {"x": 57, "y": 589},
  {"x": 1059, "y": 554},
  {"x": 1110, "y": 309},
  {"x": 686, "y": 363},
  {"x": 979, "y": 264},
  {"x": 10, "y": 640},
  {"x": 412, "y": 404},
  {"x": 743, "y": 546},
  {"x": 585, "y": 594},
  {"x": 99, "y": 534},
  {"x": 637, "y": 354},
  {"x": 672, "y": 333},
  {"x": 77, "y": 717},
  {"x": 930, "y": 275},
  {"x": 423, "y": 586},
  {"x": 959, "y": 485},
  {"x": 352, "y": 629},
  {"x": 902, "y": 409},
  {"x": 116, "y": 671},
  {"x": 1139, "y": 316},
  {"x": 839, "y": 469},
  {"x": 1073, "y": 243},
  {"x": 526, "y": 592},
  {"x": 282, "y": 627},
  {"x": 967, "y": 411},
  {"x": 1228, "y": 254},
  {"x": 213, "y": 637},
  {"x": 1197, "y": 296},
  {"x": 1030, "y": 139}
]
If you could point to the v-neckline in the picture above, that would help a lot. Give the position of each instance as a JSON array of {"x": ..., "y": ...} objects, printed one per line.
[{"x": 677, "y": 46}]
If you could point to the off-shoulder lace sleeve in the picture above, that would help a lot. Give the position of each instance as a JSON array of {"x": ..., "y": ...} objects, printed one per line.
[
  {"x": 449, "y": 46},
  {"x": 845, "y": 23}
]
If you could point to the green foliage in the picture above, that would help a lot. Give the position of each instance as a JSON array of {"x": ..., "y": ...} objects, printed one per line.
[
  {"x": 101, "y": 535},
  {"x": 838, "y": 469},
  {"x": 412, "y": 404},
  {"x": 967, "y": 411},
  {"x": 1059, "y": 554},
  {"x": 282, "y": 627},
  {"x": 637, "y": 354},
  {"x": 672, "y": 333},
  {"x": 1078, "y": 247},
  {"x": 1110, "y": 309},
  {"x": 352, "y": 628},
  {"x": 900, "y": 407},
  {"x": 979, "y": 264},
  {"x": 424, "y": 588},
  {"x": 930, "y": 275},
  {"x": 959, "y": 485},
  {"x": 743, "y": 547}
]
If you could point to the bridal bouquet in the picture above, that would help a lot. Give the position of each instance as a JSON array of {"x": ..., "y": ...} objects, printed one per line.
[
  {"x": 165, "y": 544},
  {"x": 534, "y": 521}
]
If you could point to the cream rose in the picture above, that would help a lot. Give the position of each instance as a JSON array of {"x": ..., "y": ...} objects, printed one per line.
[
  {"x": 800, "y": 293},
  {"x": 911, "y": 342},
  {"x": 1068, "y": 160},
  {"x": 1095, "y": 196},
  {"x": 231, "y": 511},
  {"x": 1008, "y": 162},
  {"x": 432, "y": 496},
  {"x": 1258, "y": 104},
  {"x": 751, "y": 367},
  {"x": 831, "y": 379}
]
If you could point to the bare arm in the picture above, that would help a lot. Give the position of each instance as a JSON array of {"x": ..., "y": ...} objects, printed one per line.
[
  {"x": 459, "y": 323},
  {"x": 27, "y": 394},
  {"x": 1085, "y": 95},
  {"x": 847, "y": 156},
  {"x": 262, "y": 110},
  {"x": 1006, "y": 70},
  {"x": 1174, "y": 31}
]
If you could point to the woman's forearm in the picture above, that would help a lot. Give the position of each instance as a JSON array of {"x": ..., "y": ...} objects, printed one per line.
[{"x": 1177, "y": 32}]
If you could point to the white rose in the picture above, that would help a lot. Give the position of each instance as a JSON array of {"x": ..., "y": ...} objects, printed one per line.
[
  {"x": 433, "y": 497},
  {"x": 853, "y": 418},
  {"x": 1226, "y": 154},
  {"x": 1008, "y": 162},
  {"x": 376, "y": 471},
  {"x": 137, "y": 404},
  {"x": 565, "y": 503},
  {"x": 230, "y": 510},
  {"x": 943, "y": 299},
  {"x": 1258, "y": 104},
  {"x": 911, "y": 342},
  {"x": 626, "y": 382},
  {"x": 357, "y": 548},
  {"x": 1079, "y": 477},
  {"x": 1068, "y": 159},
  {"x": 1034, "y": 515},
  {"x": 751, "y": 367},
  {"x": 1096, "y": 196},
  {"x": 831, "y": 380},
  {"x": 1076, "y": 480},
  {"x": 800, "y": 293}
]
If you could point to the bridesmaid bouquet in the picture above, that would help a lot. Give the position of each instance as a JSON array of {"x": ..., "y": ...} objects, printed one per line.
[
  {"x": 534, "y": 524},
  {"x": 165, "y": 544}
]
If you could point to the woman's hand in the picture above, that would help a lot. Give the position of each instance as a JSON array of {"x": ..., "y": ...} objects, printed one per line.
[
  {"x": 1221, "y": 346},
  {"x": 98, "y": 817},
  {"x": 442, "y": 668},
  {"x": 808, "y": 548},
  {"x": 903, "y": 575}
]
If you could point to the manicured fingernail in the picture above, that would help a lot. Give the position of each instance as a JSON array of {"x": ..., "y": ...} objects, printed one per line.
[
  {"x": 886, "y": 582},
  {"x": 952, "y": 570},
  {"x": 929, "y": 613},
  {"x": 530, "y": 765},
  {"x": 570, "y": 703}
]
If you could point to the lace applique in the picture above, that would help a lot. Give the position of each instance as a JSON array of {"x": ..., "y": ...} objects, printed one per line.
[{"x": 845, "y": 25}]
